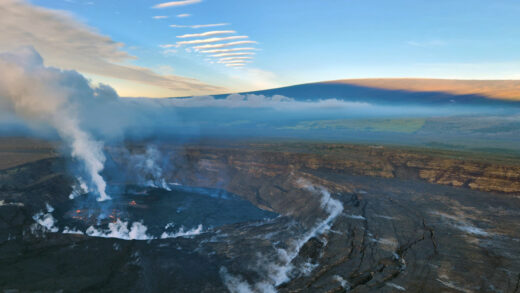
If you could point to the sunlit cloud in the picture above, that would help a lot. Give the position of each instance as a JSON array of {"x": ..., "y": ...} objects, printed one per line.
[
  {"x": 210, "y": 40},
  {"x": 426, "y": 44},
  {"x": 233, "y": 61},
  {"x": 169, "y": 52},
  {"x": 211, "y": 46},
  {"x": 233, "y": 54},
  {"x": 160, "y": 17},
  {"x": 183, "y": 15},
  {"x": 206, "y": 34},
  {"x": 228, "y": 50},
  {"x": 236, "y": 65},
  {"x": 84, "y": 3},
  {"x": 198, "y": 25},
  {"x": 68, "y": 44},
  {"x": 235, "y": 58},
  {"x": 260, "y": 101},
  {"x": 176, "y": 3}
]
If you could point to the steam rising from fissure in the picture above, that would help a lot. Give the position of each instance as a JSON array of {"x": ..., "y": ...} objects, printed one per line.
[{"x": 280, "y": 270}]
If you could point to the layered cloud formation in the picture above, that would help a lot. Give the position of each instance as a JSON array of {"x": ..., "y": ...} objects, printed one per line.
[{"x": 206, "y": 40}]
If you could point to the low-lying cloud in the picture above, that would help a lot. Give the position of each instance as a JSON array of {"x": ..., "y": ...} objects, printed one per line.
[
  {"x": 53, "y": 102},
  {"x": 259, "y": 101}
]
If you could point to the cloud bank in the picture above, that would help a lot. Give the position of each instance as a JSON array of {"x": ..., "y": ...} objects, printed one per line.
[{"x": 52, "y": 102}]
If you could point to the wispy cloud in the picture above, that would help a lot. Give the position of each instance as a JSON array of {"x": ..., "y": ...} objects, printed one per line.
[
  {"x": 160, "y": 17},
  {"x": 176, "y": 3},
  {"x": 228, "y": 50},
  {"x": 84, "y": 3},
  {"x": 206, "y": 40},
  {"x": 206, "y": 34},
  {"x": 233, "y": 61},
  {"x": 169, "y": 52},
  {"x": 426, "y": 44},
  {"x": 183, "y": 15},
  {"x": 68, "y": 44},
  {"x": 233, "y": 54},
  {"x": 235, "y": 58},
  {"x": 211, "y": 46},
  {"x": 236, "y": 65},
  {"x": 210, "y": 40},
  {"x": 198, "y": 25}
]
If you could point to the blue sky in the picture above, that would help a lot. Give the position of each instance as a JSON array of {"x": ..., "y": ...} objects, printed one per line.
[{"x": 304, "y": 41}]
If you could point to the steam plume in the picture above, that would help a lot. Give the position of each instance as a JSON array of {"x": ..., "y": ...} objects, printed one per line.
[
  {"x": 279, "y": 271},
  {"x": 50, "y": 96}
]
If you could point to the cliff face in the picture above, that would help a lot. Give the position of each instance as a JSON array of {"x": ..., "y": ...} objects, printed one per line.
[
  {"x": 271, "y": 160},
  {"x": 216, "y": 165},
  {"x": 397, "y": 231}
]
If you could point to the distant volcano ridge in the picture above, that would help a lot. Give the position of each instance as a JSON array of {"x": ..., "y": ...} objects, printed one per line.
[{"x": 405, "y": 90}]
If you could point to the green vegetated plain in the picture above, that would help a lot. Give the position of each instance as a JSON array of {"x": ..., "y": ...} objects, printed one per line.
[{"x": 407, "y": 125}]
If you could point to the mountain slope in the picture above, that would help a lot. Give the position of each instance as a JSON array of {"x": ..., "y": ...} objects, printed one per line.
[{"x": 422, "y": 91}]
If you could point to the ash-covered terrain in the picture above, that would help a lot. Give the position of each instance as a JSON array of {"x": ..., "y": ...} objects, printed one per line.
[{"x": 270, "y": 217}]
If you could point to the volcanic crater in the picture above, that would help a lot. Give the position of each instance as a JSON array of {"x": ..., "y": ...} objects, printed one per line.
[{"x": 261, "y": 218}]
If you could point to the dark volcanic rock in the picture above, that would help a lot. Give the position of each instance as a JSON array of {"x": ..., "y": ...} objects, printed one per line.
[{"x": 393, "y": 234}]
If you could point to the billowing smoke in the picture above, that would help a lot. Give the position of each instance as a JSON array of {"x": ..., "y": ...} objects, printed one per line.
[
  {"x": 51, "y": 96},
  {"x": 45, "y": 221},
  {"x": 182, "y": 233},
  {"x": 145, "y": 168},
  {"x": 120, "y": 229}
]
